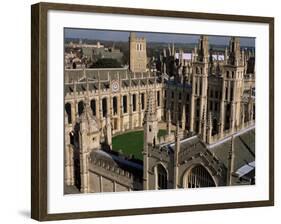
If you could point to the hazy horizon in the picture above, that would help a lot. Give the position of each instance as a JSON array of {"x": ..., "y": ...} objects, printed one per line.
[{"x": 110, "y": 35}]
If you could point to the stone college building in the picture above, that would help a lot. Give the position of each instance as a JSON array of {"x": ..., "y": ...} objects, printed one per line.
[{"x": 205, "y": 101}]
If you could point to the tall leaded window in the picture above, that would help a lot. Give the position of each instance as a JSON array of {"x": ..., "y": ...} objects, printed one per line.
[
  {"x": 104, "y": 107},
  {"x": 134, "y": 102},
  {"x": 80, "y": 107},
  {"x": 125, "y": 109},
  {"x": 199, "y": 177},
  {"x": 142, "y": 101},
  {"x": 114, "y": 105},
  {"x": 93, "y": 107},
  {"x": 162, "y": 177},
  {"x": 68, "y": 111},
  {"x": 158, "y": 98}
]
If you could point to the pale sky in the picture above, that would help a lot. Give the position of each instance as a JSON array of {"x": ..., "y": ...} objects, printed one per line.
[{"x": 151, "y": 37}]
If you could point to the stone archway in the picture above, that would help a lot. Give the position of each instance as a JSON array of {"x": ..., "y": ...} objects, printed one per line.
[
  {"x": 198, "y": 176},
  {"x": 161, "y": 177}
]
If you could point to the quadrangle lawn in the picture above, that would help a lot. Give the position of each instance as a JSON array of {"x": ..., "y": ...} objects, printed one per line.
[{"x": 131, "y": 143}]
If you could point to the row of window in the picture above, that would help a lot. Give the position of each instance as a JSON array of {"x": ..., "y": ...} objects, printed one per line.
[
  {"x": 114, "y": 104},
  {"x": 173, "y": 95},
  {"x": 140, "y": 47},
  {"x": 214, "y": 106},
  {"x": 214, "y": 93},
  {"x": 231, "y": 75}
]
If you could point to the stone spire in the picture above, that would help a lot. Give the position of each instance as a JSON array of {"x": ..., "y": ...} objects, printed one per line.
[
  {"x": 203, "y": 49},
  {"x": 242, "y": 115},
  {"x": 243, "y": 60},
  {"x": 88, "y": 140},
  {"x": 211, "y": 61},
  {"x": 65, "y": 118},
  {"x": 69, "y": 159},
  {"x": 150, "y": 126},
  {"x": 231, "y": 158},
  {"x": 176, "y": 156},
  {"x": 87, "y": 120},
  {"x": 225, "y": 56},
  {"x": 203, "y": 124},
  {"x": 183, "y": 118},
  {"x": 209, "y": 128},
  {"x": 234, "y": 51},
  {"x": 164, "y": 53},
  {"x": 169, "y": 122},
  {"x": 164, "y": 61},
  {"x": 108, "y": 136},
  {"x": 150, "y": 112},
  {"x": 169, "y": 50},
  {"x": 195, "y": 54}
]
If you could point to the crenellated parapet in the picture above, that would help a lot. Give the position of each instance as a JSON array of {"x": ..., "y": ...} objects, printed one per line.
[{"x": 116, "y": 168}]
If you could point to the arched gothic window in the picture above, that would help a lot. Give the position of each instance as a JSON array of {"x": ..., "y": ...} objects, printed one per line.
[
  {"x": 104, "y": 107},
  {"x": 197, "y": 177},
  {"x": 125, "y": 109},
  {"x": 197, "y": 70},
  {"x": 114, "y": 105},
  {"x": 162, "y": 177},
  {"x": 93, "y": 107},
  {"x": 68, "y": 111},
  {"x": 134, "y": 100},
  {"x": 80, "y": 107}
]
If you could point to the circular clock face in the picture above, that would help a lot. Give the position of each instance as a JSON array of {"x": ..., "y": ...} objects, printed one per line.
[{"x": 115, "y": 85}]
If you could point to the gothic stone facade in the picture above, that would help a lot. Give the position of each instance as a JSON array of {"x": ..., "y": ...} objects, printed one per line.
[{"x": 209, "y": 102}]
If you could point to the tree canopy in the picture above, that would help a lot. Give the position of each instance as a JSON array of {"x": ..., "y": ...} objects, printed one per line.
[{"x": 106, "y": 63}]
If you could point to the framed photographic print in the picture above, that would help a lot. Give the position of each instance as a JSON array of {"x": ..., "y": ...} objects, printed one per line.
[{"x": 138, "y": 111}]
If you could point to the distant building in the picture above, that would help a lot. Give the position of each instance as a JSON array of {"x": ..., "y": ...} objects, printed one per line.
[{"x": 98, "y": 51}]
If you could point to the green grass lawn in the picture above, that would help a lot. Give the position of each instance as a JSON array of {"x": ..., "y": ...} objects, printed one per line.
[{"x": 131, "y": 143}]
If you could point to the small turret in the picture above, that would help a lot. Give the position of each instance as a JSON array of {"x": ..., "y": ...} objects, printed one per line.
[
  {"x": 150, "y": 126},
  {"x": 169, "y": 122},
  {"x": 150, "y": 120},
  {"x": 176, "y": 156},
  {"x": 203, "y": 50},
  {"x": 183, "y": 118},
  {"x": 203, "y": 124},
  {"x": 234, "y": 52},
  {"x": 108, "y": 135},
  {"x": 209, "y": 128},
  {"x": 88, "y": 132},
  {"x": 231, "y": 159}
]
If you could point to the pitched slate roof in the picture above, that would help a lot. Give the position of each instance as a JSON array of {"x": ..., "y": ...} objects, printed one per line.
[
  {"x": 116, "y": 160},
  {"x": 244, "y": 149}
]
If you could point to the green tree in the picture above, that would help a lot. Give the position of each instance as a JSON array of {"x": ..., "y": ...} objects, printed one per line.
[{"x": 106, "y": 63}]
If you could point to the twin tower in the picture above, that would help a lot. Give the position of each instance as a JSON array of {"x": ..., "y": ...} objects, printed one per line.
[{"x": 138, "y": 56}]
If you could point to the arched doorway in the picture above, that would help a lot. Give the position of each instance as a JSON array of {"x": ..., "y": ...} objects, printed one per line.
[
  {"x": 197, "y": 177},
  {"x": 162, "y": 177}
]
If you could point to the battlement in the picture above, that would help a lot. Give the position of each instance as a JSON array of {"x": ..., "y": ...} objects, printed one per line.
[
  {"x": 119, "y": 165},
  {"x": 139, "y": 39},
  {"x": 108, "y": 166}
]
